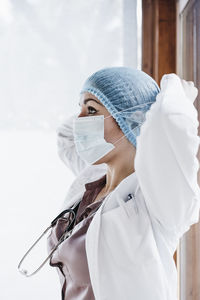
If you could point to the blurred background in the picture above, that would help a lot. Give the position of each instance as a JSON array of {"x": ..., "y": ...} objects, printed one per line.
[{"x": 47, "y": 50}]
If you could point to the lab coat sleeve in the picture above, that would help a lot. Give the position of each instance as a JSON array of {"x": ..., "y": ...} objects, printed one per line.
[
  {"x": 165, "y": 162},
  {"x": 66, "y": 147}
]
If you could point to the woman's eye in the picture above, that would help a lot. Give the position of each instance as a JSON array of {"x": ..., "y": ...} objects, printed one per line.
[{"x": 91, "y": 110}]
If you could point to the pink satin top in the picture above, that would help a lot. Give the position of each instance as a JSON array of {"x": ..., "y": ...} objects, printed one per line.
[{"x": 70, "y": 256}]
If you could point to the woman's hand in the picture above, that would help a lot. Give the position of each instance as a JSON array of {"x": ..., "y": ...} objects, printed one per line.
[{"x": 190, "y": 90}]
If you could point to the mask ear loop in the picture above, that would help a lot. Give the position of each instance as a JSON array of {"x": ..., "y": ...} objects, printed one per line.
[
  {"x": 129, "y": 108},
  {"x": 125, "y": 135},
  {"x": 135, "y": 107}
]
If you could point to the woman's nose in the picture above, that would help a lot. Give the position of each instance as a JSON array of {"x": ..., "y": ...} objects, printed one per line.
[{"x": 80, "y": 115}]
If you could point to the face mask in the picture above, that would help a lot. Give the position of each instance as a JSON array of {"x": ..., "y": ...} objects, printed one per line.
[{"x": 89, "y": 138}]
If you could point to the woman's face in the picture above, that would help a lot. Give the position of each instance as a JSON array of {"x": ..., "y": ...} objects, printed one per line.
[{"x": 91, "y": 106}]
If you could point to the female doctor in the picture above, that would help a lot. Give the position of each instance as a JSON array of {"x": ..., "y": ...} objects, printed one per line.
[{"x": 133, "y": 150}]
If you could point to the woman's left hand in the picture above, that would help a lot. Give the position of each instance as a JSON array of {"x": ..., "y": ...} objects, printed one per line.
[{"x": 190, "y": 90}]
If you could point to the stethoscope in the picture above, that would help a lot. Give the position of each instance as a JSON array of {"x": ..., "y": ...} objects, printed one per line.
[{"x": 67, "y": 232}]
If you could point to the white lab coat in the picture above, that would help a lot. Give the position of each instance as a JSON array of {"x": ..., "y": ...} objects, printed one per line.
[{"x": 130, "y": 244}]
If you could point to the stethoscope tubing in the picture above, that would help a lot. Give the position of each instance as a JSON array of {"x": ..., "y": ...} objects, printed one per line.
[{"x": 62, "y": 238}]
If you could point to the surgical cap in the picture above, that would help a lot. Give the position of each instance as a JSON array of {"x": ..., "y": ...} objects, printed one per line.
[{"x": 127, "y": 94}]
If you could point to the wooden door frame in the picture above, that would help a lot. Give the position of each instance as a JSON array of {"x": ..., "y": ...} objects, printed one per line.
[
  {"x": 158, "y": 37},
  {"x": 188, "y": 251},
  {"x": 159, "y": 40}
]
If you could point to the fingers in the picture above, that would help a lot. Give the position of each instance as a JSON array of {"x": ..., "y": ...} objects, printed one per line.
[{"x": 190, "y": 90}]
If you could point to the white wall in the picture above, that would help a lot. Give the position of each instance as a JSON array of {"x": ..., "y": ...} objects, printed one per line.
[{"x": 47, "y": 50}]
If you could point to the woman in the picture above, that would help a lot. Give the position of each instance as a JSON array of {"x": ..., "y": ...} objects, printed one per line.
[{"x": 134, "y": 205}]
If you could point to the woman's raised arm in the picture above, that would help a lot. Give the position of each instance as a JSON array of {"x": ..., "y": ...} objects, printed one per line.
[{"x": 166, "y": 163}]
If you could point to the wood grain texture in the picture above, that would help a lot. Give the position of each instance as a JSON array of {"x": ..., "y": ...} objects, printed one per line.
[{"x": 158, "y": 37}]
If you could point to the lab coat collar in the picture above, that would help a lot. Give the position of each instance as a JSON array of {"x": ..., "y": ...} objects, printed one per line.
[{"x": 129, "y": 185}]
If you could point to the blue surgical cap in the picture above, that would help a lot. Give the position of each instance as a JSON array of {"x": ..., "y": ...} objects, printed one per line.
[{"x": 126, "y": 93}]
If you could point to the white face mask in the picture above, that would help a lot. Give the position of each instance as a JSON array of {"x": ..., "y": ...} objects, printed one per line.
[{"x": 89, "y": 138}]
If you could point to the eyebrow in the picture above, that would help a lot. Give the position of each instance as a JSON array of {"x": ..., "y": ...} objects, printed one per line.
[{"x": 90, "y": 99}]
